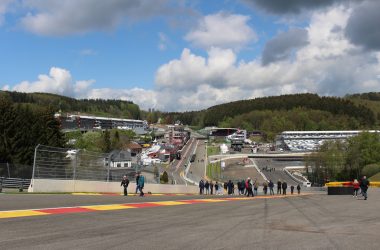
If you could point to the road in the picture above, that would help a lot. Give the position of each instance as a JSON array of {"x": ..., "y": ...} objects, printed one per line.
[{"x": 305, "y": 222}]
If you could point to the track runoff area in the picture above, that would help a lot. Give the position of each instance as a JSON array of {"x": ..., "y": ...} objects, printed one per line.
[{"x": 306, "y": 221}]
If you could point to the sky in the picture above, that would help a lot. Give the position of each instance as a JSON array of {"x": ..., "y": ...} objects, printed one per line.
[{"x": 182, "y": 55}]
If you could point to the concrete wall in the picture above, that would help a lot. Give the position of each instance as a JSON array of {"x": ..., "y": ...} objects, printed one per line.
[{"x": 71, "y": 186}]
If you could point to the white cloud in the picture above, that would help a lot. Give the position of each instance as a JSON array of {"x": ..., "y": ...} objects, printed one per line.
[
  {"x": 327, "y": 65},
  {"x": 222, "y": 30},
  {"x": 59, "y": 81},
  {"x": 59, "y": 18},
  {"x": 4, "y": 4}
]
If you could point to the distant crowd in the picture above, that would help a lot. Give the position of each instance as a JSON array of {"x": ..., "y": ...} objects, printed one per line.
[{"x": 246, "y": 187}]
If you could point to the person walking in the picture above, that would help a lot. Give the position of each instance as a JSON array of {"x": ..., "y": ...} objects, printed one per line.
[
  {"x": 216, "y": 188},
  {"x": 230, "y": 186},
  {"x": 125, "y": 183},
  {"x": 364, "y": 184},
  {"x": 271, "y": 186},
  {"x": 356, "y": 186},
  {"x": 211, "y": 188},
  {"x": 255, "y": 187},
  {"x": 141, "y": 184},
  {"x": 265, "y": 187},
  {"x": 299, "y": 189},
  {"x": 201, "y": 186},
  {"x": 137, "y": 181},
  {"x": 284, "y": 187},
  {"x": 291, "y": 189},
  {"x": 279, "y": 187},
  {"x": 248, "y": 187},
  {"x": 207, "y": 187}
]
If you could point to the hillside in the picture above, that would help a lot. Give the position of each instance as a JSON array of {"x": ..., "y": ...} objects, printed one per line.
[
  {"x": 287, "y": 112},
  {"x": 370, "y": 100},
  {"x": 99, "y": 107}
]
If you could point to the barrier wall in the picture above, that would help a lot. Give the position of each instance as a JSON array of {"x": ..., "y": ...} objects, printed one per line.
[
  {"x": 75, "y": 186},
  {"x": 349, "y": 184}
]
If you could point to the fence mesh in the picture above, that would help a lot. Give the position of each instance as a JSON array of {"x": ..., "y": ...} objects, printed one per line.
[{"x": 70, "y": 164}]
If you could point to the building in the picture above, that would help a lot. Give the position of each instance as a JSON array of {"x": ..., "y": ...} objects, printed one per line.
[
  {"x": 312, "y": 140},
  {"x": 120, "y": 159},
  {"x": 85, "y": 123}
]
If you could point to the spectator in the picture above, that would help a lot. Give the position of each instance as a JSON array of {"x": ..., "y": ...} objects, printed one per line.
[
  {"x": 279, "y": 187},
  {"x": 284, "y": 187},
  {"x": 255, "y": 187},
  {"x": 141, "y": 184},
  {"x": 364, "y": 184},
  {"x": 248, "y": 187},
  {"x": 137, "y": 181},
  {"x": 299, "y": 189},
  {"x": 271, "y": 186},
  {"x": 230, "y": 186},
  {"x": 265, "y": 187},
  {"x": 207, "y": 186},
  {"x": 201, "y": 187},
  {"x": 125, "y": 183},
  {"x": 291, "y": 189},
  {"x": 211, "y": 188},
  {"x": 356, "y": 186}
]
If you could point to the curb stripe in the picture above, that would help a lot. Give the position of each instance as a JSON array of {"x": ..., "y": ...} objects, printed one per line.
[{"x": 110, "y": 207}]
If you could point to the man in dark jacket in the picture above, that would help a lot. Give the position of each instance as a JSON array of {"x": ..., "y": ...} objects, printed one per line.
[
  {"x": 271, "y": 185},
  {"x": 298, "y": 188},
  {"x": 207, "y": 187},
  {"x": 230, "y": 187},
  {"x": 284, "y": 187},
  {"x": 201, "y": 186},
  {"x": 211, "y": 188},
  {"x": 125, "y": 183},
  {"x": 364, "y": 184},
  {"x": 279, "y": 187}
]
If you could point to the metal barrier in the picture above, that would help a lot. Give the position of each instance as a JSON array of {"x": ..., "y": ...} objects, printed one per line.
[
  {"x": 72, "y": 164},
  {"x": 16, "y": 183}
]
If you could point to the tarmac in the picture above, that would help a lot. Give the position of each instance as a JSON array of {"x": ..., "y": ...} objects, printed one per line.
[{"x": 314, "y": 221}]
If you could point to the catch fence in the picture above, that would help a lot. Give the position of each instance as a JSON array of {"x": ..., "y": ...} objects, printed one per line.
[{"x": 72, "y": 164}]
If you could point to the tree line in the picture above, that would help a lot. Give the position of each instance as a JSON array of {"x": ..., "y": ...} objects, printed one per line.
[
  {"x": 22, "y": 128},
  {"x": 100, "y": 107},
  {"x": 346, "y": 160}
]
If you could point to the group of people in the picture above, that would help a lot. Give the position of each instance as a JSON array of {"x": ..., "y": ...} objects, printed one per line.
[
  {"x": 140, "y": 181},
  {"x": 206, "y": 187},
  {"x": 246, "y": 187},
  {"x": 363, "y": 185}
]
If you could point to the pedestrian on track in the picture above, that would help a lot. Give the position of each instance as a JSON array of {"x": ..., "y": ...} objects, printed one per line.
[
  {"x": 364, "y": 184},
  {"x": 125, "y": 183}
]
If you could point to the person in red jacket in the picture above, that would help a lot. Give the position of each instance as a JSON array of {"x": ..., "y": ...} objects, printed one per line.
[{"x": 356, "y": 186}]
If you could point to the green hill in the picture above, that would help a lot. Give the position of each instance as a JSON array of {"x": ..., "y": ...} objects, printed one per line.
[
  {"x": 287, "y": 112},
  {"x": 99, "y": 107}
]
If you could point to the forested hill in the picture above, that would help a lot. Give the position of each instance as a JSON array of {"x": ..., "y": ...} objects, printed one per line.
[
  {"x": 99, "y": 107},
  {"x": 333, "y": 105},
  {"x": 287, "y": 112}
]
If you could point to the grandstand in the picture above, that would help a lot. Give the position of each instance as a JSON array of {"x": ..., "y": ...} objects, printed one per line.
[
  {"x": 312, "y": 140},
  {"x": 84, "y": 123}
]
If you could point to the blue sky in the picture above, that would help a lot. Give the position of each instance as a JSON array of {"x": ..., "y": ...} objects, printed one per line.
[{"x": 189, "y": 55}]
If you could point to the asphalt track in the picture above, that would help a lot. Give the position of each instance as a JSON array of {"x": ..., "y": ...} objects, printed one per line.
[{"x": 315, "y": 221}]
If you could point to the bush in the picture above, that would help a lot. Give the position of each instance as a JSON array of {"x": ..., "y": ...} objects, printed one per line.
[{"x": 371, "y": 169}]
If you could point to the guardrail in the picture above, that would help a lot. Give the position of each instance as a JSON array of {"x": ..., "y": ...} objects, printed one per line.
[
  {"x": 17, "y": 183},
  {"x": 349, "y": 184}
]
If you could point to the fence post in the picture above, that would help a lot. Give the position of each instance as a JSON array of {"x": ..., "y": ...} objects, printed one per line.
[
  {"x": 9, "y": 173},
  {"x": 75, "y": 165},
  {"x": 109, "y": 165},
  {"x": 34, "y": 161}
]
